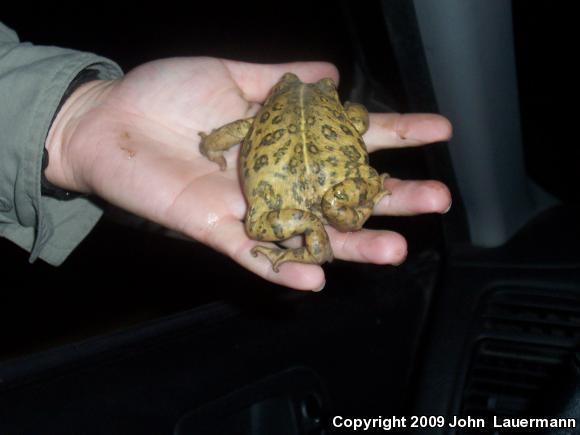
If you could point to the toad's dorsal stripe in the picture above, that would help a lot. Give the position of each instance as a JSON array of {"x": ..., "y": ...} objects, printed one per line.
[{"x": 303, "y": 128}]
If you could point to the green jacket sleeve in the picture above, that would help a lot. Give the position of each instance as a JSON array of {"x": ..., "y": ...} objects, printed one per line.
[{"x": 33, "y": 80}]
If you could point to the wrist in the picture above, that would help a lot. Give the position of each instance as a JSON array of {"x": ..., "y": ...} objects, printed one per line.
[{"x": 65, "y": 164}]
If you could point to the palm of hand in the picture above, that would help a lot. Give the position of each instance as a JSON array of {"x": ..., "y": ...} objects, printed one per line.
[
  {"x": 158, "y": 111},
  {"x": 143, "y": 156}
]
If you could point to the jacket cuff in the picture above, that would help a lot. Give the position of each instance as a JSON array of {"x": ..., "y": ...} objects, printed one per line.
[{"x": 33, "y": 81}]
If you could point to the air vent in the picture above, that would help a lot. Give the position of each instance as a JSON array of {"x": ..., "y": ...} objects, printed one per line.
[
  {"x": 538, "y": 317},
  {"x": 525, "y": 342}
]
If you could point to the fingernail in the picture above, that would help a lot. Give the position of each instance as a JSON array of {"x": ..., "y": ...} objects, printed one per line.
[
  {"x": 448, "y": 208},
  {"x": 320, "y": 288}
]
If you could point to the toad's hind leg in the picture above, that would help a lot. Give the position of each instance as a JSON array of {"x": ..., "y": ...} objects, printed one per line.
[
  {"x": 278, "y": 225},
  {"x": 219, "y": 140},
  {"x": 348, "y": 204},
  {"x": 358, "y": 115}
]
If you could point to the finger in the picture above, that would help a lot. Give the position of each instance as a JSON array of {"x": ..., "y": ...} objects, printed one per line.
[
  {"x": 409, "y": 198},
  {"x": 395, "y": 130},
  {"x": 369, "y": 246},
  {"x": 256, "y": 80},
  {"x": 229, "y": 237},
  {"x": 366, "y": 246}
]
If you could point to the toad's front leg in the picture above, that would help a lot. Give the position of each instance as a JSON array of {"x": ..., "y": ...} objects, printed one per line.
[
  {"x": 278, "y": 225},
  {"x": 219, "y": 140}
]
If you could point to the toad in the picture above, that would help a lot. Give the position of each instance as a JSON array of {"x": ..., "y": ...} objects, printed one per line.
[{"x": 303, "y": 165}]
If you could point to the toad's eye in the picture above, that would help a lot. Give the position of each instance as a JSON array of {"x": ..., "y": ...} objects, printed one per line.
[{"x": 339, "y": 194}]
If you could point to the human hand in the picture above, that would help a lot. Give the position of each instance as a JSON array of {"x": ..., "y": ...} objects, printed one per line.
[{"x": 134, "y": 142}]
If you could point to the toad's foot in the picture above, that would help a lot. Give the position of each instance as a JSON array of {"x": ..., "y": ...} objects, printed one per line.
[
  {"x": 277, "y": 256},
  {"x": 278, "y": 225}
]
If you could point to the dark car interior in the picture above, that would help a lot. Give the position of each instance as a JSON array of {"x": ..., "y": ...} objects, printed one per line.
[{"x": 139, "y": 332}]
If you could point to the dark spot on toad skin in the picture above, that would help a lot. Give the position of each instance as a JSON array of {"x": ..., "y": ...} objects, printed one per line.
[
  {"x": 267, "y": 140},
  {"x": 333, "y": 161},
  {"x": 296, "y": 194},
  {"x": 281, "y": 152},
  {"x": 265, "y": 191},
  {"x": 272, "y": 138},
  {"x": 260, "y": 162},
  {"x": 328, "y": 132},
  {"x": 298, "y": 215},
  {"x": 346, "y": 130},
  {"x": 278, "y": 230},
  {"x": 351, "y": 152},
  {"x": 277, "y": 119},
  {"x": 265, "y": 116},
  {"x": 313, "y": 149},
  {"x": 246, "y": 148},
  {"x": 338, "y": 115},
  {"x": 303, "y": 185},
  {"x": 292, "y": 128}
]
